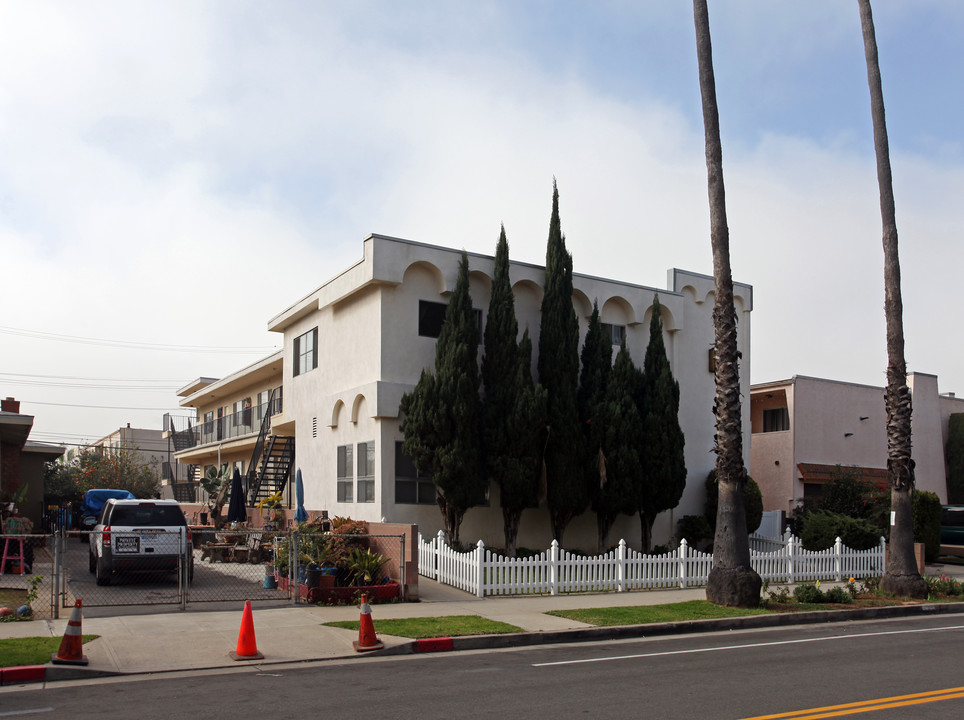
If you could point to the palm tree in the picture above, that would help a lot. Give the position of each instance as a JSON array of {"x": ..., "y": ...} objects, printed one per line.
[
  {"x": 902, "y": 577},
  {"x": 731, "y": 581}
]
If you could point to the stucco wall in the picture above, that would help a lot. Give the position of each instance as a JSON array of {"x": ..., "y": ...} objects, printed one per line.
[{"x": 370, "y": 354}]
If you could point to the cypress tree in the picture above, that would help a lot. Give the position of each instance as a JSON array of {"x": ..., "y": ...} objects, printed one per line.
[
  {"x": 559, "y": 375},
  {"x": 443, "y": 414},
  {"x": 617, "y": 427},
  {"x": 594, "y": 379},
  {"x": 513, "y": 410},
  {"x": 664, "y": 463}
]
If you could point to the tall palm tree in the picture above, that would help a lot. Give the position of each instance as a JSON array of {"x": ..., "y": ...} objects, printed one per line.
[
  {"x": 732, "y": 581},
  {"x": 902, "y": 576}
]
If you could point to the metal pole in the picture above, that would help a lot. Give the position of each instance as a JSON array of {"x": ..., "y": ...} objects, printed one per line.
[
  {"x": 404, "y": 579},
  {"x": 57, "y": 559}
]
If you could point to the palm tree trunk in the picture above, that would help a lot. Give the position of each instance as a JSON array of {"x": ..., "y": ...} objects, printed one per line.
[
  {"x": 731, "y": 581},
  {"x": 902, "y": 576}
]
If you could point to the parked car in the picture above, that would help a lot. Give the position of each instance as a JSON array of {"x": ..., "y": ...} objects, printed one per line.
[
  {"x": 952, "y": 525},
  {"x": 140, "y": 536},
  {"x": 93, "y": 503}
]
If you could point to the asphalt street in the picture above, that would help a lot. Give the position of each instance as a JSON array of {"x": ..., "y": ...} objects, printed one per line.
[{"x": 871, "y": 668}]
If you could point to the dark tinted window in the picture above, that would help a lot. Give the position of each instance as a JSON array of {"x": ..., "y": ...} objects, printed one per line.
[
  {"x": 147, "y": 516},
  {"x": 952, "y": 517}
]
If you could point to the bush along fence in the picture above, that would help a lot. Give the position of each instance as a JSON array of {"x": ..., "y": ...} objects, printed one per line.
[{"x": 484, "y": 572}]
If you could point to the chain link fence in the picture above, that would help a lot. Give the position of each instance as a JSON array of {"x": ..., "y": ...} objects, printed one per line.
[{"x": 224, "y": 565}]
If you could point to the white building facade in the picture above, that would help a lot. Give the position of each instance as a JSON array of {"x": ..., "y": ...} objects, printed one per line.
[{"x": 354, "y": 346}]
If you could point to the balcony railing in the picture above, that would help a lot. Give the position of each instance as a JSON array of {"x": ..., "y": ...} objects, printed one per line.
[{"x": 227, "y": 427}]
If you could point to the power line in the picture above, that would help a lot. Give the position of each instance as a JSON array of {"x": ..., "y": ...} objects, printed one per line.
[
  {"x": 79, "y": 377},
  {"x": 132, "y": 345},
  {"x": 97, "y": 407}
]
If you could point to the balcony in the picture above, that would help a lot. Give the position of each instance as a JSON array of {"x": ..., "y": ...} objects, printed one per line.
[{"x": 227, "y": 427}]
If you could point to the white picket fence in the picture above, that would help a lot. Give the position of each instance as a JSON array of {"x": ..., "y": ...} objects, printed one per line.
[{"x": 482, "y": 572}]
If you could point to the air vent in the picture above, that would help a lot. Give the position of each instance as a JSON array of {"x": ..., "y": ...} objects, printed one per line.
[{"x": 314, "y": 427}]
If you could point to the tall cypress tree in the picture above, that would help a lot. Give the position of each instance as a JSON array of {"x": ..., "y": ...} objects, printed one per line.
[
  {"x": 443, "y": 414},
  {"x": 663, "y": 460},
  {"x": 559, "y": 375},
  {"x": 594, "y": 379},
  {"x": 513, "y": 410},
  {"x": 617, "y": 427}
]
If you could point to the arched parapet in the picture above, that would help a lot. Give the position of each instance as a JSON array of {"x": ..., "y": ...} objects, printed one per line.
[
  {"x": 357, "y": 408},
  {"x": 617, "y": 311},
  {"x": 581, "y": 303},
  {"x": 425, "y": 274},
  {"x": 336, "y": 413},
  {"x": 670, "y": 322}
]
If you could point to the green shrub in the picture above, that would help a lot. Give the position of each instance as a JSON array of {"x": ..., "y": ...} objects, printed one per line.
[
  {"x": 808, "y": 594},
  {"x": 694, "y": 528},
  {"x": 838, "y": 595},
  {"x": 820, "y": 529},
  {"x": 927, "y": 523}
]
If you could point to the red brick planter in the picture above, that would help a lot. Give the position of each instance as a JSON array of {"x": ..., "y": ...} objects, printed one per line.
[{"x": 385, "y": 592}]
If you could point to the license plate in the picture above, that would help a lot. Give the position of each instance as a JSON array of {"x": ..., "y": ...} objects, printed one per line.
[{"x": 127, "y": 544}]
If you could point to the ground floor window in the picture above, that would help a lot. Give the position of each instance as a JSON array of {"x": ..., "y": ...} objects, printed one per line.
[
  {"x": 366, "y": 471},
  {"x": 345, "y": 476},
  {"x": 411, "y": 486}
]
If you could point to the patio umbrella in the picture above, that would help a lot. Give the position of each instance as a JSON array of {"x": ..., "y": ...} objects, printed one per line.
[
  {"x": 236, "y": 510},
  {"x": 300, "y": 513}
]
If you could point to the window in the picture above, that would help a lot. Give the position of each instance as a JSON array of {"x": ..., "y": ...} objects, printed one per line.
[
  {"x": 306, "y": 352},
  {"x": 430, "y": 317},
  {"x": 617, "y": 333},
  {"x": 366, "y": 472},
  {"x": 345, "y": 478},
  {"x": 411, "y": 486},
  {"x": 776, "y": 420},
  {"x": 262, "y": 408},
  {"x": 432, "y": 314}
]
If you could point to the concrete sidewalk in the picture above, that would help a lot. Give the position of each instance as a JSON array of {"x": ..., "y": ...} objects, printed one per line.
[{"x": 201, "y": 638}]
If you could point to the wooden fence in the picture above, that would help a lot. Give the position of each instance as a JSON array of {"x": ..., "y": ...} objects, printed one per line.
[{"x": 483, "y": 572}]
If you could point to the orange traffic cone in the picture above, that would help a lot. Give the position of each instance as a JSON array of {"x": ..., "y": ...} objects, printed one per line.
[
  {"x": 247, "y": 646},
  {"x": 72, "y": 646},
  {"x": 366, "y": 629}
]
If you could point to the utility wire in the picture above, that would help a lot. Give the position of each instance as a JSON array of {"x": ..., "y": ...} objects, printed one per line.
[{"x": 132, "y": 345}]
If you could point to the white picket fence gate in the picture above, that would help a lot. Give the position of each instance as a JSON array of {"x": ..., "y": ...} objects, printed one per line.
[{"x": 483, "y": 572}]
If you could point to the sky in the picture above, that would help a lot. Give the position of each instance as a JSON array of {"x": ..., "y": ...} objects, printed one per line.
[{"x": 174, "y": 174}]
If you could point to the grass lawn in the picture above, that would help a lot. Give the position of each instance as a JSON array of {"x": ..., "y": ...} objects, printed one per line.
[
  {"x": 645, "y": 614},
  {"x": 433, "y": 627},
  {"x": 30, "y": 651}
]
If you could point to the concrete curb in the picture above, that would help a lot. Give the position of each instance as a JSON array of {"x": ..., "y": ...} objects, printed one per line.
[
  {"x": 623, "y": 632},
  {"x": 53, "y": 673}
]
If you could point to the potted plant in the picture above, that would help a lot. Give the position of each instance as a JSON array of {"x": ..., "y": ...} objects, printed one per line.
[{"x": 365, "y": 566}]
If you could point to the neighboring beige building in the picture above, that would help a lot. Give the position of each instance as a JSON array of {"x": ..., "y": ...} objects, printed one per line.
[
  {"x": 804, "y": 427},
  {"x": 354, "y": 346}
]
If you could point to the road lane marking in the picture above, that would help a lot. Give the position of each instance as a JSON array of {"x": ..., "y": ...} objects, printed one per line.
[
  {"x": 31, "y": 711},
  {"x": 866, "y": 705},
  {"x": 748, "y": 645}
]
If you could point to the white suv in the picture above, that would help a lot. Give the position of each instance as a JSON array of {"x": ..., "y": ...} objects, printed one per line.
[{"x": 148, "y": 536}]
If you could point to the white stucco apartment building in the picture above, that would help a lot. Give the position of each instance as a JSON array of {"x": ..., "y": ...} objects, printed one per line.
[
  {"x": 804, "y": 427},
  {"x": 355, "y": 345}
]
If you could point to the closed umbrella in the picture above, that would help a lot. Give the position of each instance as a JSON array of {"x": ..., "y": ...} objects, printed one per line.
[
  {"x": 300, "y": 513},
  {"x": 236, "y": 509}
]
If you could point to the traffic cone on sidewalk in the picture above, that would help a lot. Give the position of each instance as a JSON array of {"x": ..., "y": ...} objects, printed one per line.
[
  {"x": 72, "y": 646},
  {"x": 366, "y": 629},
  {"x": 247, "y": 645}
]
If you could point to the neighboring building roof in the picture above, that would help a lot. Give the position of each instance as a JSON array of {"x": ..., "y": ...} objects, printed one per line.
[{"x": 15, "y": 428}]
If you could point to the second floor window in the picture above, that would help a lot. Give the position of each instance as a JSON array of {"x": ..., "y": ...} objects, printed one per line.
[
  {"x": 776, "y": 420},
  {"x": 306, "y": 352}
]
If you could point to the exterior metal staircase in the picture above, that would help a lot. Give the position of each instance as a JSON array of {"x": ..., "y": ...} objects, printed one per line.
[{"x": 271, "y": 461}]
